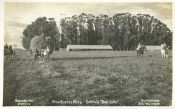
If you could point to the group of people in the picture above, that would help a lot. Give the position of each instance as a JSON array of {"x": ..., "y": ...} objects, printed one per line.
[
  {"x": 9, "y": 53},
  {"x": 163, "y": 49}
]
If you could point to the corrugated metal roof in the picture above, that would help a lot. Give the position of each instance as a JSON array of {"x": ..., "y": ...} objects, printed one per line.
[
  {"x": 88, "y": 47},
  {"x": 153, "y": 47}
]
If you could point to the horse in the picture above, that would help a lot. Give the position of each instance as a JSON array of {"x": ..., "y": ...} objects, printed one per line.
[
  {"x": 9, "y": 53},
  {"x": 45, "y": 53},
  {"x": 164, "y": 51},
  {"x": 140, "y": 50}
]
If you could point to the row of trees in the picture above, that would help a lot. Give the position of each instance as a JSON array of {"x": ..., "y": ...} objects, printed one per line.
[{"x": 122, "y": 31}]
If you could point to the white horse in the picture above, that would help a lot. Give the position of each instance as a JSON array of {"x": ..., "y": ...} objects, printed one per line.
[
  {"x": 45, "y": 53},
  {"x": 164, "y": 51}
]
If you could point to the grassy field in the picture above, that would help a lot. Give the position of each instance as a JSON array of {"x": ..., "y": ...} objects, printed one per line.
[{"x": 89, "y": 75}]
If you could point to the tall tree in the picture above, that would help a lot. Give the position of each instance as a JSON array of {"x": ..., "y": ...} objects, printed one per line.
[{"x": 122, "y": 31}]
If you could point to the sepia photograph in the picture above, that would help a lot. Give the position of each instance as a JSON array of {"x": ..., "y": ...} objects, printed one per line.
[{"x": 87, "y": 54}]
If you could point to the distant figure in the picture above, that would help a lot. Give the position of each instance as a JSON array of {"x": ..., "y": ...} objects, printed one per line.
[
  {"x": 5, "y": 49},
  {"x": 6, "y": 46},
  {"x": 164, "y": 50},
  {"x": 140, "y": 49},
  {"x": 9, "y": 52}
]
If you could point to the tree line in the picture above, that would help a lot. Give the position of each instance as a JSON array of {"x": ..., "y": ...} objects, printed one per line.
[{"x": 122, "y": 31}]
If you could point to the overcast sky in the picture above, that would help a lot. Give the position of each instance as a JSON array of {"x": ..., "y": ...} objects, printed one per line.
[{"x": 18, "y": 15}]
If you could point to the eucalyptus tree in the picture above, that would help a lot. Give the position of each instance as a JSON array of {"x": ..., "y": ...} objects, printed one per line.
[{"x": 122, "y": 31}]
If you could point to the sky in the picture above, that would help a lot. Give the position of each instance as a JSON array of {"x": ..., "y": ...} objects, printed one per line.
[{"x": 17, "y": 15}]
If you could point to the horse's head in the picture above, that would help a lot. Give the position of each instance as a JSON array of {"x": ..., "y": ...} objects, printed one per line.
[{"x": 163, "y": 46}]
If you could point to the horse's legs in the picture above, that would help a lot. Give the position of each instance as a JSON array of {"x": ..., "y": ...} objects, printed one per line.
[
  {"x": 47, "y": 57},
  {"x": 142, "y": 53},
  {"x": 163, "y": 55},
  {"x": 8, "y": 58},
  {"x": 35, "y": 57},
  {"x": 42, "y": 57},
  {"x": 139, "y": 53},
  {"x": 11, "y": 57},
  {"x": 166, "y": 55}
]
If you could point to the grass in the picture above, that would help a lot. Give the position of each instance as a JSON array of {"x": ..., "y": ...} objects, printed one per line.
[{"x": 89, "y": 75}]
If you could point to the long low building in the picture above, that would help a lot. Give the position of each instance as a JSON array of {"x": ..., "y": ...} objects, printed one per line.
[
  {"x": 88, "y": 47},
  {"x": 153, "y": 48}
]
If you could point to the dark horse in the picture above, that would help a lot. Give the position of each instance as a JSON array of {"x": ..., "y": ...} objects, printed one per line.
[
  {"x": 9, "y": 52},
  {"x": 140, "y": 50}
]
